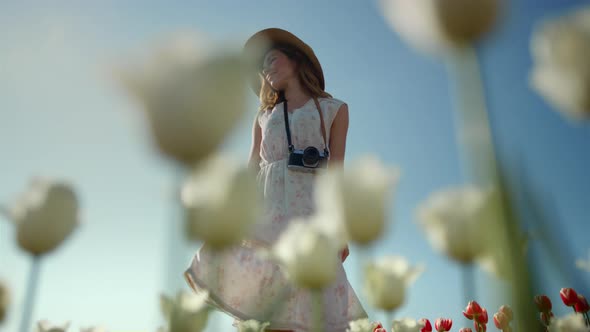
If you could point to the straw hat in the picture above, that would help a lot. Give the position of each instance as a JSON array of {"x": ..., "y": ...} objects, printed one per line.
[{"x": 270, "y": 37}]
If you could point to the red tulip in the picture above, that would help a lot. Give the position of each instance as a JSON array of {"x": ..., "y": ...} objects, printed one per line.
[
  {"x": 546, "y": 318},
  {"x": 543, "y": 303},
  {"x": 506, "y": 310},
  {"x": 443, "y": 324},
  {"x": 466, "y": 329},
  {"x": 582, "y": 305},
  {"x": 480, "y": 327},
  {"x": 427, "y": 327},
  {"x": 472, "y": 310},
  {"x": 500, "y": 320},
  {"x": 569, "y": 296},
  {"x": 378, "y": 327},
  {"x": 482, "y": 318}
]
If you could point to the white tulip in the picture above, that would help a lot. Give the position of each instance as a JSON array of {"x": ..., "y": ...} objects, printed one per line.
[
  {"x": 46, "y": 326},
  {"x": 569, "y": 323},
  {"x": 194, "y": 93},
  {"x": 252, "y": 326},
  {"x": 44, "y": 216},
  {"x": 435, "y": 25},
  {"x": 406, "y": 325},
  {"x": 356, "y": 199},
  {"x": 309, "y": 256},
  {"x": 4, "y": 301},
  {"x": 584, "y": 264},
  {"x": 361, "y": 325},
  {"x": 386, "y": 280},
  {"x": 188, "y": 312},
  {"x": 457, "y": 221},
  {"x": 561, "y": 72},
  {"x": 93, "y": 329},
  {"x": 222, "y": 202}
]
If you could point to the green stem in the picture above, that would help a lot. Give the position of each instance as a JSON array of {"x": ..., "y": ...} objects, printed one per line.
[
  {"x": 389, "y": 319},
  {"x": 317, "y": 306},
  {"x": 479, "y": 160},
  {"x": 33, "y": 281}
]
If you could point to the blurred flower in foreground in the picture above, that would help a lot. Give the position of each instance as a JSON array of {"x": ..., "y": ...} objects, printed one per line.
[
  {"x": 561, "y": 72},
  {"x": 406, "y": 325},
  {"x": 193, "y": 93},
  {"x": 188, "y": 312},
  {"x": 45, "y": 326},
  {"x": 309, "y": 256},
  {"x": 386, "y": 280},
  {"x": 362, "y": 325},
  {"x": 222, "y": 202},
  {"x": 362, "y": 192},
  {"x": 4, "y": 300},
  {"x": 496, "y": 261},
  {"x": 584, "y": 264},
  {"x": 466, "y": 329},
  {"x": 93, "y": 329},
  {"x": 252, "y": 326},
  {"x": 456, "y": 221},
  {"x": 44, "y": 216},
  {"x": 569, "y": 323},
  {"x": 435, "y": 25}
]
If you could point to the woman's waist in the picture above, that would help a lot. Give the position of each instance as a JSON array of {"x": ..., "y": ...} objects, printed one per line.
[{"x": 275, "y": 162}]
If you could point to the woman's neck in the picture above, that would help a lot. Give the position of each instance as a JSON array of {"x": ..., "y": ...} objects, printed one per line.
[{"x": 296, "y": 96}]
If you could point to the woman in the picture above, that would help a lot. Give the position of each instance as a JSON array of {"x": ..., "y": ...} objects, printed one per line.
[{"x": 248, "y": 286}]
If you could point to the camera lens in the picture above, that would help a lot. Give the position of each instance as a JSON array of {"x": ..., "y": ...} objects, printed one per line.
[{"x": 311, "y": 156}]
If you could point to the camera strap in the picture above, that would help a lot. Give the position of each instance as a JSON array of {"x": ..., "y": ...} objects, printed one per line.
[{"x": 288, "y": 130}]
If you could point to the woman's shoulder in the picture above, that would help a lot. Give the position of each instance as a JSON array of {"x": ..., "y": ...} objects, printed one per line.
[{"x": 331, "y": 103}]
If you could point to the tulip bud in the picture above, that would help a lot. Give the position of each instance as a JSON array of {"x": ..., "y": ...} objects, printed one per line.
[
  {"x": 582, "y": 305},
  {"x": 466, "y": 329},
  {"x": 546, "y": 318},
  {"x": 472, "y": 310},
  {"x": 500, "y": 320},
  {"x": 543, "y": 303},
  {"x": 443, "y": 324},
  {"x": 45, "y": 215},
  {"x": 479, "y": 327},
  {"x": 427, "y": 327},
  {"x": 483, "y": 318},
  {"x": 506, "y": 310},
  {"x": 378, "y": 327},
  {"x": 569, "y": 296}
]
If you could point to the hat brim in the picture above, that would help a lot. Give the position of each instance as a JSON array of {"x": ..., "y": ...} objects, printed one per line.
[{"x": 264, "y": 40}]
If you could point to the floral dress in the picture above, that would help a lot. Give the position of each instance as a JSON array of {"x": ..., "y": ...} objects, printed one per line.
[{"x": 249, "y": 286}]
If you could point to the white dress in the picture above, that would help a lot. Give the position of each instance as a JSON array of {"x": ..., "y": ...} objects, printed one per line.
[{"x": 247, "y": 286}]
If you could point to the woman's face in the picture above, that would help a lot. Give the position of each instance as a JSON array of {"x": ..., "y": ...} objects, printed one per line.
[{"x": 278, "y": 69}]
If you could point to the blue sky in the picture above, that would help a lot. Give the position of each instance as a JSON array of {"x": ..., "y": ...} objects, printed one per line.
[{"x": 60, "y": 116}]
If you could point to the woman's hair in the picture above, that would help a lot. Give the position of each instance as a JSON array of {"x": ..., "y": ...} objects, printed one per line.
[{"x": 305, "y": 73}]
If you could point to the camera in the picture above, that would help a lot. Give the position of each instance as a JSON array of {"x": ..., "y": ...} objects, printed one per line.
[{"x": 307, "y": 160}]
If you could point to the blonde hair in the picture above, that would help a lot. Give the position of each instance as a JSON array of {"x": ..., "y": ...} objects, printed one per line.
[{"x": 305, "y": 73}]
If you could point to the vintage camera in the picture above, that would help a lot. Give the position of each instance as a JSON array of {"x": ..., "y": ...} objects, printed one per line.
[{"x": 307, "y": 160}]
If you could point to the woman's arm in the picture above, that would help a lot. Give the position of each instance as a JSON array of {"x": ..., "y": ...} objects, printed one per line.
[
  {"x": 338, "y": 134},
  {"x": 254, "y": 160}
]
